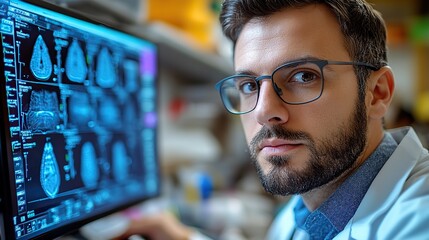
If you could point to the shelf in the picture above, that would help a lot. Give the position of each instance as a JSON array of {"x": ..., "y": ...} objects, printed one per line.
[{"x": 177, "y": 53}]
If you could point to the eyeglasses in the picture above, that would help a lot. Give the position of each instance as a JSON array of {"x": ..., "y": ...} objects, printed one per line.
[{"x": 296, "y": 82}]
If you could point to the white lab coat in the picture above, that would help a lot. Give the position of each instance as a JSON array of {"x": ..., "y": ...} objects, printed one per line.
[{"x": 396, "y": 205}]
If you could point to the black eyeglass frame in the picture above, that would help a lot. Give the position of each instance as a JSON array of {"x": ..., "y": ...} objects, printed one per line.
[{"x": 321, "y": 63}]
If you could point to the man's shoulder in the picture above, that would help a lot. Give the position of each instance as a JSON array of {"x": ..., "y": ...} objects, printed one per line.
[
  {"x": 409, "y": 215},
  {"x": 407, "y": 168},
  {"x": 410, "y": 149},
  {"x": 406, "y": 136},
  {"x": 395, "y": 206}
]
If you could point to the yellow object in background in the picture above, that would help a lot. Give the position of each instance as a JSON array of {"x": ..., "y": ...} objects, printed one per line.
[
  {"x": 422, "y": 107},
  {"x": 196, "y": 18}
]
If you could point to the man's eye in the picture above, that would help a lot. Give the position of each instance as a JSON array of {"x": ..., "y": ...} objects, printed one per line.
[
  {"x": 304, "y": 77},
  {"x": 248, "y": 87}
]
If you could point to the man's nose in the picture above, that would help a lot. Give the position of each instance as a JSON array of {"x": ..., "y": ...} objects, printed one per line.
[{"x": 270, "y": 110}]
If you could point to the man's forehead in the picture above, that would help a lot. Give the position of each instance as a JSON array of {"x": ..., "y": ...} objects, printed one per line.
[{"x": 290, "y": 34}]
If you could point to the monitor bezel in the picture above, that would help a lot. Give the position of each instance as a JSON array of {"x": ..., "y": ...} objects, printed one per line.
[{"x": 8, "y": 200}]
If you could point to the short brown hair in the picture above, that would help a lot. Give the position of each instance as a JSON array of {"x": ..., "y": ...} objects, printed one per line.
[{"x": 363, "y": 27}]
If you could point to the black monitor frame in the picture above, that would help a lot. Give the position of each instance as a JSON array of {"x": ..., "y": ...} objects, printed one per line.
[{"x": 7, "y": 180}]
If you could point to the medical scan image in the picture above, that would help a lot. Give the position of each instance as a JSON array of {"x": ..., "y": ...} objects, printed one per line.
[
  {"x": 105, "y": 74},
  {"x": 131, "y": 75},
  {"x": 89, "y": 165},
  {"x": 49, "y": 171},
  {"x": 40, "y": 64},
  {"x": 76, "y": 68},
  {"x": 81, "y": 111},
  {"x": 43, "y": 113}
]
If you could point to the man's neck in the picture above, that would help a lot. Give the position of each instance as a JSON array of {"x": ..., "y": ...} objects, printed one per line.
[{"x": 314, "y": 198}]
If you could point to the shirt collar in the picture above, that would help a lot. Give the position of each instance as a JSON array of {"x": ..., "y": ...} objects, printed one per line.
[{"x": 334, "y": 214}]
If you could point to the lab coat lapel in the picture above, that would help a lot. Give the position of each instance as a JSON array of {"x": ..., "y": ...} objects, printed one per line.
[{"x": 385, "y": 188}]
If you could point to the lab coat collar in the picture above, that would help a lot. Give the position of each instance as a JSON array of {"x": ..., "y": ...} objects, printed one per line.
[{"x": 387, "y": 185}]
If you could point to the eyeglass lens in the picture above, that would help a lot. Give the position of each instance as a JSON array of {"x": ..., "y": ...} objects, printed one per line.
[{"x": 295, "y": 83}]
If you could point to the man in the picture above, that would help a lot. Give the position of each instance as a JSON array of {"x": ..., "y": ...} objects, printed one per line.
[{"x": 312, "y": 86}]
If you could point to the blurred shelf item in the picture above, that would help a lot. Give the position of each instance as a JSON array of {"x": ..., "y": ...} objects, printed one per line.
[
  {"x": 421, "y": 109},
  {"x": 177, "y": 53},
  {"x": 195, "y": 145},
  {"x": 195, "y": 18}
]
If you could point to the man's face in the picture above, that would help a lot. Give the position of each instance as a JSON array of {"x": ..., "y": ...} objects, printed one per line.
[{"x": 297, "y": 148}]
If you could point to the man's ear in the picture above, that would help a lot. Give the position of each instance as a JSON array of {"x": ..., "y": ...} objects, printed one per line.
[{"x": 381, "y": 86}]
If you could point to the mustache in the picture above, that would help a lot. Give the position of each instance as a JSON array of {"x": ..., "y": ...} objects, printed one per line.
[{"x": 278, "y": 132}]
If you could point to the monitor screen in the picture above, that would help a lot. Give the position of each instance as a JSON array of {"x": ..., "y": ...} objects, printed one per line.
[{"x": 78, "y": 105}]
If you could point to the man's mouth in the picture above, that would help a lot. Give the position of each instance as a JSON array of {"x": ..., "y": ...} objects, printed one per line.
[{"x": 278, "y": 146}]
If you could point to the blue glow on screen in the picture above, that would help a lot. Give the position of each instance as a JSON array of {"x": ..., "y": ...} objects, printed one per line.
[{"x": 82, "y": 112}]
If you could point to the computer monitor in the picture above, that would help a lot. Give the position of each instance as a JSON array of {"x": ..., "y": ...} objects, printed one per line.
[{"x": 78, "y": 125}]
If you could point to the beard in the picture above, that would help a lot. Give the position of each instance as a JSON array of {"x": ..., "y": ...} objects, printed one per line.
[{"x": 334, "y": 155}]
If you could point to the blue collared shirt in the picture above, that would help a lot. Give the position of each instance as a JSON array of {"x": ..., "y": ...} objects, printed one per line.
[{"x": 334, "y": 214}]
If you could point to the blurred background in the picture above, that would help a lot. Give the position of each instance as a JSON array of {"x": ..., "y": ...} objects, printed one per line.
[{"x": 209, "y": 182}]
